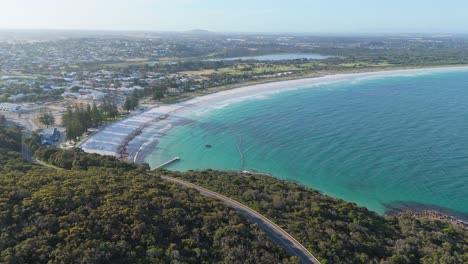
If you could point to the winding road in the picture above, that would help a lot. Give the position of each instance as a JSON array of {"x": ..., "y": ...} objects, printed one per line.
[{"x": 276, "y": 233}]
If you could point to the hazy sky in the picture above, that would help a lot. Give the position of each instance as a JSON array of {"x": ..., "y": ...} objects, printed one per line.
[{"x": 334, "y": 16}]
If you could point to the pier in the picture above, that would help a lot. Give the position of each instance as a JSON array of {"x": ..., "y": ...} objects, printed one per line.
[{"x": 167, "y": 163}]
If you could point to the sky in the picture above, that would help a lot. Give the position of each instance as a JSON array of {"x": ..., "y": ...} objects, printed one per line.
[{"x": 299, "y": 16}]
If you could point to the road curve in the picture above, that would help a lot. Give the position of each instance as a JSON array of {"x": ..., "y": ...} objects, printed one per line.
[{"x": 276, "y": 233}]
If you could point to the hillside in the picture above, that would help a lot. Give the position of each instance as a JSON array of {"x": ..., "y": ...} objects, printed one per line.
[
  {"x": 97, "y": 209},
  {"x": 336, "y": 231},
  {"x": 112, "y": 212}
]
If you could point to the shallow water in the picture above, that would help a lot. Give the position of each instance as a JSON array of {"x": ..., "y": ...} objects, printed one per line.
[{"x": 377, "y": 142}]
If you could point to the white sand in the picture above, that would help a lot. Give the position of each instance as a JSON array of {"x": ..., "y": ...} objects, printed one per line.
[{"x": 112, "y": 138}]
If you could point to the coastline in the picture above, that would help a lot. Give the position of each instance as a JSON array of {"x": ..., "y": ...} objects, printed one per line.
[
  {"x": 139, "y": 134},
  {"x": 131, "y": 137},
  {"x": 418, "y": 209},
  {"x": 434, "y": 215}
]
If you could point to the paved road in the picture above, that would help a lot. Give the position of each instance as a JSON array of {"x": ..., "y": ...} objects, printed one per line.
[{"x": 277, "y": 234}]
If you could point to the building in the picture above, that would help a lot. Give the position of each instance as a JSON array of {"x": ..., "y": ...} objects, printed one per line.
[
  {"x": 7, "y": 107},
  {"x": 175, "y": 90},
  {"x": 94, "y": 96},
  {"x": 71, "y": 95},
  {"x": 49, "y": 136}
]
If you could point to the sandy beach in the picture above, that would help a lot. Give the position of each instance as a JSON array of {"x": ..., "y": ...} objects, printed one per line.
[{"x": 138, "y": 134}]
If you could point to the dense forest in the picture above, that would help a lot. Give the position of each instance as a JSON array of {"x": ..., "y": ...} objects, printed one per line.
[
  {"x": 99, "y": 210},
  {"x": 336, "y": 231},
  {"x": 96, "y": 209}
]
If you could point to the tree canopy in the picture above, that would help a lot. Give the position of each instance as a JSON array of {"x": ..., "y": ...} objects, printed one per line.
[
  {"x": 78, "y": 120},
  {"x": 336, "y": 231},
  {"x": 100, "y": 210},
  {"x": 47, "y": 119},
  {"x": 97, "y": 209}
]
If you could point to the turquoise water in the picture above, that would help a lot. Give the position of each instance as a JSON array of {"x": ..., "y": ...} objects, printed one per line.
[{"x": 384, "y": 143}]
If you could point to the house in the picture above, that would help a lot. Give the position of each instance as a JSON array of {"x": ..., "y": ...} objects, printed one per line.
[
  {"x": 175, "y": 90},
  {"x": 49, "y": 136},
  {"x": 95, "y": 96}
]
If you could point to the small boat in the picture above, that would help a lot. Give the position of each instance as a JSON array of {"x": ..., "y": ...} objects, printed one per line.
[{"x": 208, "y": 146}]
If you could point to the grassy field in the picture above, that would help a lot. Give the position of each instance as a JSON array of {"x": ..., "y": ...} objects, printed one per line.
[
  {"x": 255, "y": 69},
  {"x": 365, "y": 64},
  {"x": 137, "y": 60},
  {"x": 264, "y": 68},
  {"x": 119, "y": 65},
  {"x": 267, "y": 68},
  {"x": 199, "y": 72}
]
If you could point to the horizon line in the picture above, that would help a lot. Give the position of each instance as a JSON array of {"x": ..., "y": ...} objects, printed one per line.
[{"x": 236, "y": 32}]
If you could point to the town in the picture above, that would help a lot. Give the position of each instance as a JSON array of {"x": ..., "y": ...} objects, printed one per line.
[{"x": 41, "y": 76}]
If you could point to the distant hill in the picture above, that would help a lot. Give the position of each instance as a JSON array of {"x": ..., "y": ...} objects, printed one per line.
[{"x": 201, "y": 32}]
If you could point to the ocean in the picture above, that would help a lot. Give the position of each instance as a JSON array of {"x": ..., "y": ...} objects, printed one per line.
[{"x": 387, "y": 143}]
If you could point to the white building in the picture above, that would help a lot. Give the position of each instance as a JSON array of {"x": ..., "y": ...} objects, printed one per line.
[
  {"x": 7, "y": 107},
  {"x": 94, "y": 96}
]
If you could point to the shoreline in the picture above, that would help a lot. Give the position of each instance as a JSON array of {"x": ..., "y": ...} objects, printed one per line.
[
  {"x": 129, "y": 136},
  {"x": 433, "y": 215},
  {"x": 139, "y": 134},
  {"x": 262, "y": 90}
]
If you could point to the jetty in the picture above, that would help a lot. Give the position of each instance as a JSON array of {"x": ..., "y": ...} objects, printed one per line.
[{"x": 167, "y": 163}]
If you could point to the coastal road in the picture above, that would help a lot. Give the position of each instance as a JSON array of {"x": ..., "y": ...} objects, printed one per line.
[{"x": 276, "y": 233}]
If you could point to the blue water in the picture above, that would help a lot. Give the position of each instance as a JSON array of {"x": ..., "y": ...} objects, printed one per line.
[
  {"x": 277, "y": 57},
  {"x": 382, "y": 143}
]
